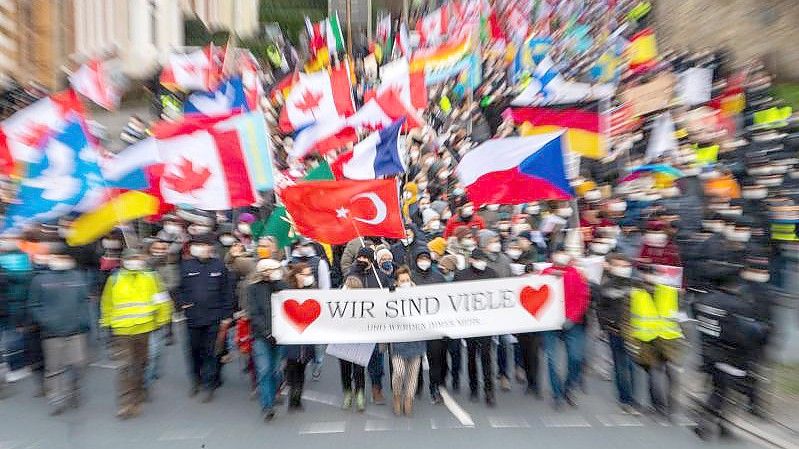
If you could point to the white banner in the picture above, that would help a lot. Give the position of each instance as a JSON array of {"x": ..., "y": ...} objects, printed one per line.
[{"x": 457, "y": 310}]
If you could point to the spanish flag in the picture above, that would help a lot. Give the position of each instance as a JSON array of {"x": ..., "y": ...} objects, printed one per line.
[
  {"x": 583, "y": 126},
  {"x": 642, "y": 51}
]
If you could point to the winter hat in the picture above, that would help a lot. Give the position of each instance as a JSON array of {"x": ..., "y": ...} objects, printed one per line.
[
  {"x": 448, "y": 262},
  {"x": 461, "y": 232},
  {"x": 383, "y": 252},
  {"x": 197, "y": 216},
  {"x": 438, "y": 245},
  {"x": 484, "y": 236},
  {"x": 429, "y": 215},
  {"x": 367, "y": 252},
  {"x": 246, "y": 217},
  {"x": 205, "y": 239}
]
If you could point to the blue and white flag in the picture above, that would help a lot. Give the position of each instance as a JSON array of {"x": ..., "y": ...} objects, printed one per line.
[
  {"x": 227, "y": 98},
  {"x": 65, "y": 172}
]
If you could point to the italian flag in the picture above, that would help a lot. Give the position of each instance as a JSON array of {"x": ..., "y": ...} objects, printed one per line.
[{"x": 335, "y": 39}]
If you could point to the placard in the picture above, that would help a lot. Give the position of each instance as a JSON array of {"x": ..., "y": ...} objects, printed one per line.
[{"x": 650, "y": 97}]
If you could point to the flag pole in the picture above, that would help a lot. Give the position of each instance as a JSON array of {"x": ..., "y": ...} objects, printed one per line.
[{"x": 349, "y": 27}]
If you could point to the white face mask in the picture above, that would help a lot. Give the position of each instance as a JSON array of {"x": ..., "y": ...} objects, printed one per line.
[
  {"x": 532, "y": 210},
  {"x": 738, "y": 236},
  {"x": 618, "y": 206},
  {"x": 405, "y": 285},
  {"x": 520, "y": 227},
  {"x": 227, "y": 240},
  {"x": 244, "y": 228},
  {"x": 199, "y": 251},
  {"x": 622, "y": 272},
  {"x": 754, "y": 276},
  {"x": 713, "y": 226},
  {"x": 307, "y": 281},
  {"x": 494, "y": 247},
  {"x": 61, "y": 264},
  {"x": 434, "y": 225},
  {"x": 479, "y": 265},
  {"x": 493, "y": 207},
  {"x": 468, "y": 244},
  {"x": 276, "y": 275},
  {"x": 423, "y": 264},
  {"x": 406, "y": 241},
  {"x": 754, "y": 194},
  {"x": 600, "y": 248},
  {"x": 514, "y": 253},
  {"x": 656, "y": 239},
  {"x": 112, "y": 244},
  {"x": 446, "y": 215},
  {"x": 561, "y": 259},
  {"x": 307, "y": 251},
  {"x": 199, "y": 229},
  {"x": 172, "y": 229},
  {"x": 564, "y": 212},
  {"x": 731, "y": 212},
  {"x": 467, "y": 211},
  {"x": 443, "y": 175},
  {"x": 134, "y": 264},
  {"x": 407, "y": 195}
]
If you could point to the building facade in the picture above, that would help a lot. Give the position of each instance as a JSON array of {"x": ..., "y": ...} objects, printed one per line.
[{"x": 237, "y": 16}]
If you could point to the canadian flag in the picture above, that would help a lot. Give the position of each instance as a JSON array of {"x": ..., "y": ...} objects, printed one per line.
[
  {"x": 23, "y": 133},
  {"x": 409, "y": 86},
  {"x": 203, "y": 164},
  {"x": 95, "y": 80},
  {"x": 319, "y": 96},
  {"x": 433, "y": 27},
  {"x": 251, "y": 80},
  {"x": 198, "y": 70}
]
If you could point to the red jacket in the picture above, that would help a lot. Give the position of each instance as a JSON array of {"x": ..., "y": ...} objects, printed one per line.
[
  {"x": 575, "y": 292},
  {"x": 668, "y": 255},
  {"x": 476, "y": 224}
]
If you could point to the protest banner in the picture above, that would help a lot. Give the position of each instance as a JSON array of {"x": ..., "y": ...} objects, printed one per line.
[
  {"x": 652, "y": 96},
  {"x": 456, "y": 310}
]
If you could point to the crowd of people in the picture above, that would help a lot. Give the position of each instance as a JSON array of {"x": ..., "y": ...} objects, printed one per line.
[{"x": 724, "y": 227}]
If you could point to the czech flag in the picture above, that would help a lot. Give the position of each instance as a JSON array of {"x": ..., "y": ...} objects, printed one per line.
[
  {"x": 582, "y": 125},
  {"x": 516, "y": 170}
]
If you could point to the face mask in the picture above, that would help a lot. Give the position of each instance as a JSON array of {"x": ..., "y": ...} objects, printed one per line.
[
  {"x": 387, "y": 266},
  {"x": 406, "y": 241},
  {"x": 564, "y": 212},
  {"x": 443, "y": 175},
  {"x": 362, "y": 264},
  {"x": 521, "y": 227},
  {"x": 619, "y": 206},
  {"x": 600, "y": 248},
  {"x": 307, "y": 281},
  {"x": 422, "y": 186},
  {"x": 244, "y": 228},
  {"x": 199, "y": 229},
  {"x": 514, "y": 253},
  {"x": 532, "y": 210},
  {"x": 112, "y": 244},
  {"x": 423, "y": 264},
  {"x": 561, "y": 259},
  {"x": 434, "y": 225},
  {"x": 769, "y": 182},
  {"x": 276, "y": 275},
  {"x": 493, "y": 207},
  {"x": 738, "y": 236},
  {"x": 134, "y": 265},
  {"x": 713, "y": 226},
  {"x": 494, "y": 247},
  {"x": 479, "y": 265},
  {"x": 414, "y": 154},
  {"x": 198, "y": 251},
  {"x": 446, "y": 215},
  {"x": 61, "y": 265},
  {"x": 656, "y": 239},
  {"x": 405, "y": 285},
  {"x": 227, "y": 240},
  {"x": 754, "y": 194},
  {"x": 172, "y": 229},
  {"x": 622, "y": 272},
  {"x": 307, "y": 251},
  {"x": 407, "y": 195},
  {"x": 467, "y": 211},
  {"x": 731, "y": 212},
  {"x": 754, "y": 276},
  {"x": 468, "y": 244}
]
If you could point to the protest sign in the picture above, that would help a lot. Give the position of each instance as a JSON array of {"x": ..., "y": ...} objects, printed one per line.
[
  {"x": 652, "y": 96},
  {"x": 456, "y": 310}
]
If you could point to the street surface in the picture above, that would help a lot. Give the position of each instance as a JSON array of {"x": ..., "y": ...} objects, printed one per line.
[{"x": 174, "y": 421}]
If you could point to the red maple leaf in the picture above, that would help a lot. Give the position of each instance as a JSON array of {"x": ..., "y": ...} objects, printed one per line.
[
  {"x": 309, "y": 102},
  {"x": 371, "y": 127},
  {"x": 187, "y": 179},
  {"x": 33, "y": 134}
]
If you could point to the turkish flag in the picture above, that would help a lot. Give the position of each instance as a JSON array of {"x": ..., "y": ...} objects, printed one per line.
[{"x": 336, "y": 212}]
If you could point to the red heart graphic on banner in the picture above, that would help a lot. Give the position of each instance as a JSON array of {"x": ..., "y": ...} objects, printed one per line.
[
  {"x": 302, "y": 315},
  {"x": 533, "y": 300}
]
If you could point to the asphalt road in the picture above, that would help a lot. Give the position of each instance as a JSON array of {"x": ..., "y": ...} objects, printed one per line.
[{"x": 175, "y": 421}]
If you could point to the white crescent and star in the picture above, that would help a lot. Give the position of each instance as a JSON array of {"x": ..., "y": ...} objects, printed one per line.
[{"x": 380, "y": 207}]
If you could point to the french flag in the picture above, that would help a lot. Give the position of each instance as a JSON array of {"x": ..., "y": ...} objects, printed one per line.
[
  {"x": 516, "y": 170},
  {"x": 376, "y": 156}
]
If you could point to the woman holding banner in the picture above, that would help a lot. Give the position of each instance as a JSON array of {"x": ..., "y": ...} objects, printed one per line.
[
  {"x": 406, "y": 359},
  {"x": 297, "y": 356},
  {"x": 350, "y": 372}
]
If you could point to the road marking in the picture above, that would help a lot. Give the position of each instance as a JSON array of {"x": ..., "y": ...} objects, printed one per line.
[
  {"x": 508, "y": 422},
  {"x": 447, "y": 423},
  {"x": 619, "y": 420},
  {"x": 106, "y": 365},
  {"x": 316, "y": 428},
  {"x": 559, "y": 421},
  {"x": 457, "y": 411},
  {"x": 383, "y": 425},
  {"x": 335, "y": 401}
]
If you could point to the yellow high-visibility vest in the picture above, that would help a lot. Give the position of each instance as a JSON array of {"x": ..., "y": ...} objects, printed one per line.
[
  {"x": 133, "y": 303},
  {"x": 784, "y": 231},
  {"x": 651, "y": 318}
]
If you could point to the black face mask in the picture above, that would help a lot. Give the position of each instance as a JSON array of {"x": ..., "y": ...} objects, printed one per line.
[{"x": 362, "y": 265}]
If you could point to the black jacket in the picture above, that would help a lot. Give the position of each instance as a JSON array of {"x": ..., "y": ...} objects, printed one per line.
[
  {"x": 611, "y": 299},
  {"x": 471, "y": 274},
  {"x": 207, "y": 288},
  {"x": 368, "y": 278},
  {"x": 259, "y": 306}
]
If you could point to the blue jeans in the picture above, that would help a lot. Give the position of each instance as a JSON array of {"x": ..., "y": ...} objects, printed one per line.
[
  {"x": 375, "y": 368},
  {"x": 574, "y": 340},
  {"x": 624, "y": 369},
  {"x": 502, "y": 355},
  {"x": 156, "y": 347},
  {"x": 266, "y": 357}
]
